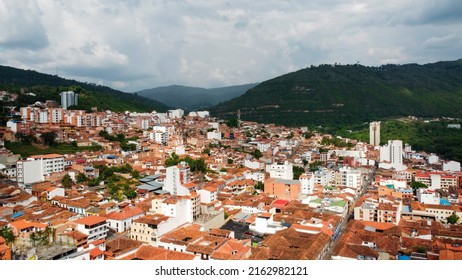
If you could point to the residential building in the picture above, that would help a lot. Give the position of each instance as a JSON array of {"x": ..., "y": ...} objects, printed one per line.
[
  {"x": 374, "y": 133},
  {"x": 281, "y": 170},
  {"x": 176, "y": 177},
  {"x": 69, "y": 98},
  {"x": 94, "y": 227},
  {"x": 122, "y": 221},
  {"x": 35, "y": 168},
  {"x": 391, "y": 155},
  {"x": 306, "y": 183},
  {"x": 283, "y": 188}
]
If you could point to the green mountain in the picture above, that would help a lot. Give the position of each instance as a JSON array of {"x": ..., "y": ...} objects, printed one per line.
[
  {"x": 48, "y": 87},
  {"x": 194, "y": 98},
  {"x": 337, "y": 95}
]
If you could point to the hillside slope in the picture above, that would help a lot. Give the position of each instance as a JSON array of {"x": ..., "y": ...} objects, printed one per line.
[
  {"x": 194, "y": 98},
  {"x": 48, "y": 87},
  {"x": 337, "y": 95}
]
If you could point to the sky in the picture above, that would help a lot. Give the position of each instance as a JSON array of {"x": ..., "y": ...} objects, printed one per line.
[{"x": 134, "y": 45}]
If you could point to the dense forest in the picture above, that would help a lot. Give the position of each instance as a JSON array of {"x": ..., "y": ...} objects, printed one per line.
[
  {"x": 335, "y": 96},
  {"x": 47, "y": 87}
]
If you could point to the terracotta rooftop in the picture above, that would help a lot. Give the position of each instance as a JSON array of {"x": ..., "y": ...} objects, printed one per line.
[
  {"x": 121, "y": 246},
  {"x": 90, "y": 220},
  {"x": 290, "y": 244},
  {"x": 155, "y": 219},
  {"x": 126, "y": 213},
  {"x": 184, "y": 235},
  {"x": 147, "y": 252}
]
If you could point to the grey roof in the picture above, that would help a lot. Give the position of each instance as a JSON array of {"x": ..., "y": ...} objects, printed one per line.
[
  {"x": 161, "y": 192},
  {"x": 149, "y": 178},
  {"x": 149, "y": 187},
  {"x": 285, "y": 181}
]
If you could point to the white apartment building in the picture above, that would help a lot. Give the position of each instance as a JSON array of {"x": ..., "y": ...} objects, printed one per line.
[
  {"x": 175, "y": 114},
  {"x": 348, "y": 177},
  {"x": 95, "y": 227},
  {"x": 214, "y": 135},
  {"x": 428, "y": 196},
  {"x": 452, "y": 166},
  {"x": 391, "y": 155},
  {"x": 306, "y": 183},
  {"x": 35, "y": 168},
  {"x": 176, "y": 177},
  {"x": 323, "y": 177},
  {"x": 69, "y": 98},
  {"x": 281, "y": 170}
]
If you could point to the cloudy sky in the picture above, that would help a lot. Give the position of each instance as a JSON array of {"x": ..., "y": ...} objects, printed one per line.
[{"x": 133, "y": 45}]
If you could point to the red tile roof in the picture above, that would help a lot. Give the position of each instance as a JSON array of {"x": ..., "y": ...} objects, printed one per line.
[
  {"x": 90, "y": 220},
  {"x": 125, "y": 214}
]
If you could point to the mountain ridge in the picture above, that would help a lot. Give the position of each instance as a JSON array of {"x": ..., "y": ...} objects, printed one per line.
[
  {"x": 194, "y": 98},
  {"x": 337, "y": 95},
  {"x": 48, "y": 87}
]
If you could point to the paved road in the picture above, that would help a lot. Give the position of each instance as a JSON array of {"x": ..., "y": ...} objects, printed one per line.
[{"x": 350, "y": 215}]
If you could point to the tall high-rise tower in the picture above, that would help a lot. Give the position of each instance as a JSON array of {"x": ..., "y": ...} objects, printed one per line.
[
  {"x": 374, "y": 133},
  {"x": 68, "y": 99}
]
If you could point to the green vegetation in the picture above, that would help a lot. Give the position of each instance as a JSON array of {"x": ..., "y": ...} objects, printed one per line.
[
  {"x": 124, "y": 145},
  {"x": 193, "y": 98},
  {"x": 48, "y": 87},
  {"x": 434, "y": 137},
  {"x": 259, "y": 186},
  {"x": 298, "y": 171},
  {"x": 257, "y": 154},
  {"x": 326, "y": 141},
  {"x": 335, "y": 96},
  {"x": 453, "y": 219},
  {"x": 195, "y": 165},
  {"x": 418, "y": 185},
  {"x": 26, "y": 150},
  {"x": 67, "y": 181},
  {"x": 7, "y": 234}
]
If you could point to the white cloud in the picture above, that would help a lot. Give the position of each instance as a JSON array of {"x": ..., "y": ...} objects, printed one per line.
[{"x": 133, "y": 45}]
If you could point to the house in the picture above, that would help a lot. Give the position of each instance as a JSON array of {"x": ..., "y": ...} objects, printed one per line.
[
  {"x": 205, "y": 246},
  {"x": 94, "y": 227},
  {"x": 5, "y": 251},
  {"x": 179, "y": 239},
  {"x": 290, "y": 244},
  {"x": 147, "y": 252},
  {"x": 122, "y": 221},
  {"x": 148, "y": 228},
  {"x": 233, "y": 250},
  {"x": 120, "y": 248}
]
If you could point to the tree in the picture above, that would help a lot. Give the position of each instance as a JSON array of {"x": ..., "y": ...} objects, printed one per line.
[
  {"x": 417, "y": 185},
  {"x": 81, "y": 178},
  {"x": 206, "y": 151},
  {"x": 67, "y": 181},
  {"x": 257, "y": 154},
  {"x": 453, "y": 219},
  {"x": 298, "y": 171},
  {"x": 230, "y": 161},
  {"x": 48, "y": 138},
  {"x": 7, "y": 234},
  {"x": 135, "y": 174},
  {"x": 129, "y": 193},
  {"x": 259, "y": 186}
]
